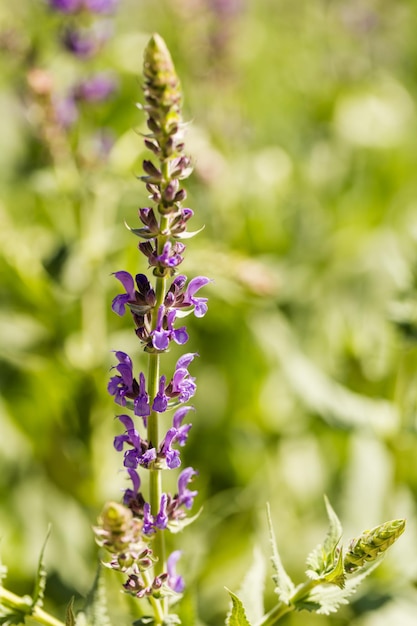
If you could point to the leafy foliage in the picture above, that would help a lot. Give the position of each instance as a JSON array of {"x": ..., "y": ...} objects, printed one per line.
[{"x": 237, "y": 615}]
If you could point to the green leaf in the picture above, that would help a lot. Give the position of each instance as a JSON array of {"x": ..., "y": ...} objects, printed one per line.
[
  {"x": 177, "y": 526},
  {"x": 69, "y": 614},
  {"x": 40, "y": 581},
  {"x": 327, "y": 598},
  {"x": 236, "y": 615},
  {"x": 284, "y": 585},
  {"x": 325, "y": 561},
  {"x": 95, "y": 608},
  {"x": 252, "y": 588},
  {"x": 13, "y": 618},
  {"x": 147, "y": 620}
]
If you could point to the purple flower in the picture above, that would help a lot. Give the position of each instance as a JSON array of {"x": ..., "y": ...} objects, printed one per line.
[
  {"x": 141, "y": 402},
  {"x": 65, "y": 111},
  {"x": 86, "y": 42},
  {"x": 161, "y": 520},
  {"x": 185, "y": 496},
  {"x": 175, "y": 582},
  {"x": 148, "y": 520},
  {"x": 200, "y": 304},
  {"x": 182, "y": 430},
  {"x": 94, "y": 6},
  {"x": 141, "y": 299},
  {"x": 66, "y": 6},
  {"x": 171, "y": 456},
  {"x": 160, "y": 402},
  {"x": 122, "y": 385},
  {"x": 182, "y": 386},
  {"x": 169, "y": 258},
  {"x": 118, "y": 304},
  {"x": 96, "y": 88},
  {"x": 161, "y": 337},
  {"x": 133, "y": 457},
  {"x": 101, "y": 6},
  {"x": 130, "y": 494}
]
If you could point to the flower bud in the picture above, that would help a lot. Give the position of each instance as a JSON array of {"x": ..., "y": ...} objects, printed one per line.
[{"x": 372, "y": 543}]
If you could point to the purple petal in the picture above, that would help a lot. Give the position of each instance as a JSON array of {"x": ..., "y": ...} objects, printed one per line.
[
  {"x": 127, "y": 281},
  {"x": 200, "y": 307},
  {"x": 180, "y": 414},
  {"x": 160, "y": 339},
  {"x": 186, "y": 359},
  {"x": 119, "y": 442},
  {"x": 134, "y": 477},
  {"x": 194, "y": 285},
  {"x": 127, "y": 421},
  {"x": 175, "y": 582},
  {"x": 180, "y": 335},
  {"x": 118, "y": 304}
]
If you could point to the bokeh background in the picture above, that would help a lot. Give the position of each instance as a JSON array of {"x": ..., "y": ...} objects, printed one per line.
[{"x": 303, "y": 134}]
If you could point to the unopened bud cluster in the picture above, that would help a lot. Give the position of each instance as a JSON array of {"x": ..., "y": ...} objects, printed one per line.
[{"x": 372, "y": 543}]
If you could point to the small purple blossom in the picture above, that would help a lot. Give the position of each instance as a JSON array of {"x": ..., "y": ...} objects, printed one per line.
[
  {"x": 66, "y": 6},
  {"x": 101, "y": 6},
  {"x": 65, "y": 111},
  {"x": 73, "y": 6},
  {"x": 139, "y": 452},
  {"x": 160, "y": 402},
  {"x": 86, "y": 42},
  {"x": 130, "y": 494},
  {"x": 182, "y": 386},
  {"x": 175, "y": 581},
  {"x": 200, "y": 304},
  {"x": 170, "y": 257},
  {"x": 185, "y": 496},
  {"x": 171, "y": 456},
  {"x": 140, "y": 299},
  {"x": 148, "y": 521},
  {"x": 123, "y": 384},
  {"x": 182, "y": 429},
  {"x": 161, "y": 520},
  {"x": 141, "y": 402},
  {"x": 118, "y": 304},
  {"x": 96, "y": 88},
  {"x": 162, "y": 336}
]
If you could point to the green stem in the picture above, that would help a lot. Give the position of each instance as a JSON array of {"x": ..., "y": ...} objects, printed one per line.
[
  {"x": 275, "y": 614},
  {"x": 155, "y": 477},
  {"x": 281, "y": 609},
  {"x": 23, "y": 605}
]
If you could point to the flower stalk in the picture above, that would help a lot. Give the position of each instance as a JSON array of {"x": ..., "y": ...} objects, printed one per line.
[{"x": 155, "y": 304}]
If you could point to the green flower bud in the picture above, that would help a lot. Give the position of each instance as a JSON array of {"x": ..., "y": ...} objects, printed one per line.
[
  {"x": 163, "y": 97},
  {"x": 372, "y": 543}
]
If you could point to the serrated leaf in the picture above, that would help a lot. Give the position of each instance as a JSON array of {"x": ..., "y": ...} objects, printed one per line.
[
  {"x": 12, "y": 618},
  {"x": 327, "y": 598},
  {"x": 252, "y": 588},
  {"x": 284, "y": 585},
  {"x": 40, "y": 581},
  {"x": 95, "y": 607},
  {"x": 325, "y": 557},
  {"x": 237, "y": 615},
  {"x": 69, "y": 613}
]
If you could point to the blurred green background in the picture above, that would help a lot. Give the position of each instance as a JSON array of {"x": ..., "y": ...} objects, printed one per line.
[{"x": 303, "y": 135}]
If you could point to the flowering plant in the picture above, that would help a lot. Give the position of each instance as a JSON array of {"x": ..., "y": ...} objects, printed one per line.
[{"x": 155, "y": 405}]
